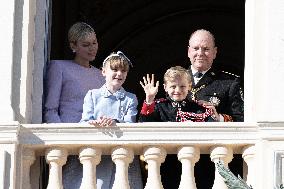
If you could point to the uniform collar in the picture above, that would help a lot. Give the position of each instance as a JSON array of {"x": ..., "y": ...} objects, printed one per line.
[
  {"x": 118, "y": 94},
  {"x": 194, "y": 71},
  {"x": 177, "y": 104},
  {"x": 208, "y": 77}
]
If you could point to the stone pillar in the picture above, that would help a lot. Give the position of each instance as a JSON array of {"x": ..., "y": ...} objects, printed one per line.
[
  {"x": 188, "y": 156},
  {"x": 220, "y": 153},
  {"x": 7, "y": 21},
  {"x": 56, "y": 157},
  {"x": 154, "y": 156},
  {"x": 121, "y": 156},
  {"x": 249, "y": 158},
  {"x": 27, "y": 161},
  {"x": 90, "y": 158}
]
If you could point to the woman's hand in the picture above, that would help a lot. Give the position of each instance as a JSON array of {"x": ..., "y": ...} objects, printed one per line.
[
  {"x": 150, "y": 88},
  {"x": 102, "y": 122},
  {"x": 209, "y": 105}
]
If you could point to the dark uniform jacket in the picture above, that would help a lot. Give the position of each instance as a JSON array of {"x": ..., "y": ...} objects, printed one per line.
[
  {"x": 166, "y": 110},
  {"x": 222, "y": 89}
]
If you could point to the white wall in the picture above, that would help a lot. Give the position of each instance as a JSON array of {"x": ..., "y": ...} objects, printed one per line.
[
  {"x": 17, "y": 23},
  {"x": 273, "y": 46},
  {"x": 6, "y": 59},
  {"x": 264, "y": 60}
]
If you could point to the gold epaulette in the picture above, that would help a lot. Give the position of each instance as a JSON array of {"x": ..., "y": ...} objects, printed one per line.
[{"x": 230, "y": 74}]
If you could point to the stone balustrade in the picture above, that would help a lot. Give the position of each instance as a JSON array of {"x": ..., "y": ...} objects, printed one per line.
[
  {"x": 152, "y": 140},
  {"x": 90, "y": 157},
  {"x": 188, "y": 156}
]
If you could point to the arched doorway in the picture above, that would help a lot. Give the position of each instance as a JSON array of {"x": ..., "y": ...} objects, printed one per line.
[{"x": 154, "y": 35}]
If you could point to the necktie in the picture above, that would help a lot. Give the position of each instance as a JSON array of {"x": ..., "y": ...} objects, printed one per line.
[{"x": 198, "y": 74}]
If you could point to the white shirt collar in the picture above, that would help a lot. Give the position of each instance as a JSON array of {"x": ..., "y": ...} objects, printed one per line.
[{"x": 194, "y": 71}]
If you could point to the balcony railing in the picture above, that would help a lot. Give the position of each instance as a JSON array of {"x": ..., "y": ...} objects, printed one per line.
[{"x": 22, "y": 145}]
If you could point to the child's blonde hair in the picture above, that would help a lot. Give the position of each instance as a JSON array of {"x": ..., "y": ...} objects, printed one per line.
[
  {"x": 117, "y": 60},
  {"x": 176, "y": 72},
  {"x": 79, "y": 31}
]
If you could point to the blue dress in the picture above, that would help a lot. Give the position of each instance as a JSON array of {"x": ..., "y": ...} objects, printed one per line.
[{"x": 121, "y": 106}]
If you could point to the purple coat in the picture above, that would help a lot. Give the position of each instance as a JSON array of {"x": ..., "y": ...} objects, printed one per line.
[{"x": 66, "y": 86}]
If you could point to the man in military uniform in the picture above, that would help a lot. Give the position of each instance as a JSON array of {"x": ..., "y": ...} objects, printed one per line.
[{"x": 217, "y": 88}]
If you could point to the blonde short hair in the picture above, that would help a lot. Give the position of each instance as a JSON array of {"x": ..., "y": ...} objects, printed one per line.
[
  {"x": 79, "y": 31},
  {"x": 176, "y": 72}
]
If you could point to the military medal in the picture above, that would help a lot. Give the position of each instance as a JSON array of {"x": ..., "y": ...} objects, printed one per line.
[{"x": 214, "y": 100}]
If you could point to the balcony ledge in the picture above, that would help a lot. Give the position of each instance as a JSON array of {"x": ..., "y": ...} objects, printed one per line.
[{"x": 139, "y": 135}]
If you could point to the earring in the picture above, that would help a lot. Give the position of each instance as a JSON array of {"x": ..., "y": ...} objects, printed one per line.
[{"x": 73, "y": 51}]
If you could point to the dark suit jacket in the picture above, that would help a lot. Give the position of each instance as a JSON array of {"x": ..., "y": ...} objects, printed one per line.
[{"x": 222, "y": 88}]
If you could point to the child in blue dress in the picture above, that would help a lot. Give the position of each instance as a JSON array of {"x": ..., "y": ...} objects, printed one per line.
[{"x": 110, "y": 104}]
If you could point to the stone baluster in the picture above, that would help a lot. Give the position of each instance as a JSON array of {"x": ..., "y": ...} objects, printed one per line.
[
  {"x": 154, "y": 156},
  {"x": 28, "y": 160},
  {"x": 224, "y": 154},
  {"x": 90, "y": 158},
  {"x": 56, "y": 157},
  {"x": 121, "y": 156},
  {"x": 249, "y": 158},
  {"x": 188, "y": 156}
]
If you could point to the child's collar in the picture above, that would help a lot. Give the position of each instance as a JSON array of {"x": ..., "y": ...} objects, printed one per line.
[{"x": 118, "y": 94}]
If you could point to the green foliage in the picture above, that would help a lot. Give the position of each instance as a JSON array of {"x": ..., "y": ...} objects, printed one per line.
[{"x": 231, "y": 180}]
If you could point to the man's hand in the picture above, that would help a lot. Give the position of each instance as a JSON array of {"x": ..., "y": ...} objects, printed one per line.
[{"x": 209, "y": 105}]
